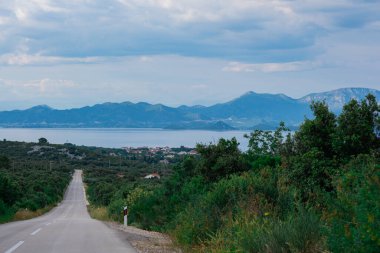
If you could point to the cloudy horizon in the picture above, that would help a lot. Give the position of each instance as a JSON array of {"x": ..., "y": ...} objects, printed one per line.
[{"x": 74, "y": 53}]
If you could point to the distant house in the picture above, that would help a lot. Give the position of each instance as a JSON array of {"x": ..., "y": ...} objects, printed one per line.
[{"x": 153, "y": 175}]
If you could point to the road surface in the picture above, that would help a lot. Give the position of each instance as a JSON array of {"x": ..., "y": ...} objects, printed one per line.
[{"x": 68, "y": 228}]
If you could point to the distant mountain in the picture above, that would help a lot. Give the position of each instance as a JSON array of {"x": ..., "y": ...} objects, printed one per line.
[
  {"x": 201, "y": 125},
  {"x": 249, "y": 111},
  {"x": 252, "y": 108},
  {"x": 337, "y": 98}
]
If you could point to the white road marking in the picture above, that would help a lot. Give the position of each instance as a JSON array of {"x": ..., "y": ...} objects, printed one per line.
[
  {"x": 14, "y": 247},
  {"x": 47, "y": 224},
  {"x": 36, "y": 231}
]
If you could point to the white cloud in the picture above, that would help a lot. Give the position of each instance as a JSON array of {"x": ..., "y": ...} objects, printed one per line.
[
  {"x": 234, "y": 30},
  {"x": 145, "y": 58},
  {"x": 166, "y": 50},
  {"x": 32, "y": 89},
  {"x": 49, "y": 86},
  {"x": 270, "y": 67},
  {"x": 36, "y": 59}
]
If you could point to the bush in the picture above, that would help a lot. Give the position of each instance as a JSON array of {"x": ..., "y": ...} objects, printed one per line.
[
  {"x": 9, "y": 192},
  {"x": 354, "y": 216},
  {"x": 116, "y": 209},
  {"x": 220, "y": 160},
  {"x": 300, "y": 232},
  {"x": 206, "y": 215}
]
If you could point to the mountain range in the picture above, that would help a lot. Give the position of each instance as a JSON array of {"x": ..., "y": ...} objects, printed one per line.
[{"x": 249, "y": 111}]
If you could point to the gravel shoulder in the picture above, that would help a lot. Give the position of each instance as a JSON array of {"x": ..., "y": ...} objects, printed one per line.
[{"x": 146, "y": 241}]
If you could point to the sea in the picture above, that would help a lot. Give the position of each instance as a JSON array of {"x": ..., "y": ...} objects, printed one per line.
[{"x": 123, "y": 137}]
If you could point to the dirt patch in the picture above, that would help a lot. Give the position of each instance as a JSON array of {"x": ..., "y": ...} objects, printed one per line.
[{"x": 147, "y": 241}]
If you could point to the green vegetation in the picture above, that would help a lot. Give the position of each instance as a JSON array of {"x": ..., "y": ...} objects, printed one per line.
[
  {"x": 315, "y": 190},
  {"x": 27, "y": 189},
  {"x": 33, "y": 176}
]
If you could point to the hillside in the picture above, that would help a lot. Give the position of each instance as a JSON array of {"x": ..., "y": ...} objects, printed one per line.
[
  {"x": 337, "y": 98},
  {"x": 248, "y": 111}
]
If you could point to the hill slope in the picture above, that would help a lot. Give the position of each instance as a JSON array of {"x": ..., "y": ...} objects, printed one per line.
[
  {"x": 337, "y": 98},
  {"x": 245, "y": 112}
]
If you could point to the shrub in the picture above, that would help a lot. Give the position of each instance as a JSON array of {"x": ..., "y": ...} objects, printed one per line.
[
  {"x": 207, "y": 214},
  {"x": 300, "y": 232},
  {"x": 354, "y": 217},
  {"x": 115, "y": 209}
]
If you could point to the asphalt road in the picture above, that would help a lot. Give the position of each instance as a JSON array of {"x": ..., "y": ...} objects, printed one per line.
[{"x": 68, "y": 228}]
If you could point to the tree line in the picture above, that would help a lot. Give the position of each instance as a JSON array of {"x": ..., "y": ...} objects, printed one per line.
[
  {"x": 314, "y": 190},
  {"x": 30, "y": 186}
]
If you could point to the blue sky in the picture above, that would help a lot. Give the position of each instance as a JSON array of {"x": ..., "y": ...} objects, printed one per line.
[{"x": 75, "y": 53}]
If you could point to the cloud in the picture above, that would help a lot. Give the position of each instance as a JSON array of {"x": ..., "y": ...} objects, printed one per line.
[
  {"x": 27, "y": 59},
  {"x": 183, "y": 51},
  {"x": 30, "y": 89},
  {"x": 240, "y": 30},
  {"x": 47, "y": 85},
  {"x": 270, "y": 67}
]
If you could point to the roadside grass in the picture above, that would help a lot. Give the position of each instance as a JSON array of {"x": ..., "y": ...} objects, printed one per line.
[
  {"x": 25, "y": 214},
  {"x": 99, "y": 213}
]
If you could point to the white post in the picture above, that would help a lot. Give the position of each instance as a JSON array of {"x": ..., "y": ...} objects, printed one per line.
[{"x": 125, "y": 216}]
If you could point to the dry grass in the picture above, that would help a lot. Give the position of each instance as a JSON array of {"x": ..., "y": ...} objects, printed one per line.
[
  {"x": 99, "y": 213},
  {"x": 25, "y": 214}
]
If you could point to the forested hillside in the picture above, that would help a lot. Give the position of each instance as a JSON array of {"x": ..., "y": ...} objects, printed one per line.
[
  {"x": 316, "y": 190},
  {"x": 34, "y": 176},
  {"x": 29, "y": 188}
]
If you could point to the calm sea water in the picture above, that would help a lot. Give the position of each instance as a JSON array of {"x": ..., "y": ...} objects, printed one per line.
[{"x": 117, "y": 138}]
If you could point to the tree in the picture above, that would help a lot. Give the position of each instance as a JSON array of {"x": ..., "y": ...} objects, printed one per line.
[
  {"x": 219, "y": 160},
  {"x": 358, "y": 127},
  {"x": 310, "y": 162},
  {"x": 266, "y": 147},
  {"x": 4, "y": 162},
  {"x": 9, "y": 192},
  {"x": 266, "y": 142},
  {"x": 42, "y": 141},
  {"x": 309, "y": 172},
  {"x": 317, "y": 133}
]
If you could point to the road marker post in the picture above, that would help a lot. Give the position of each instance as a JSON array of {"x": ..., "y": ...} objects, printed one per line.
[{"x": 125, "y": 216}]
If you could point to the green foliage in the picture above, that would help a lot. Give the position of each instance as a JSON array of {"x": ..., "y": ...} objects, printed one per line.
[
  {"x": 316, "y": 190},
  {"x": 317, "y": 133},
  {"x": 31, "y": 187},
  {"x": 299, "y": 232},
  {"x": 265, "y": 147},
  {"x": 206, "y": 215},
  {"x": 4, "y": 162},
  {"x": 221, "y": 159},
  {"x": 9, "y": 192},
  {"x": 310, "y": 172},
  {"x": 355, "y": 214},
  {"x": 266, "y": 143},
  {"x": 356, "y": 129},
  {"x": 101, "y": 193},
  {"x": 42, "y": 141},
  {"x": 115, "y": 209},
  {"x": 6, "y": 212}
]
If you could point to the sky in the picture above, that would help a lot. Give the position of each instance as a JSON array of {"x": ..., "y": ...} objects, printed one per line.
[{"x": 74, "y": 53}]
